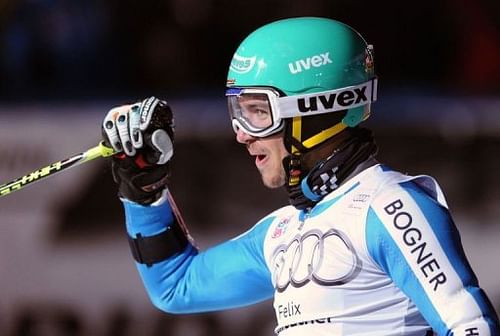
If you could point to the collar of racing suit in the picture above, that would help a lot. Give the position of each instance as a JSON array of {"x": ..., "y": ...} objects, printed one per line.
[{"x": 330, "y": 172}]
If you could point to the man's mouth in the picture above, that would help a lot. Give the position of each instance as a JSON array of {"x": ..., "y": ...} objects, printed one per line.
[
  {"x": 260, "y": 159},
  {"x": 260, "y": 156}
]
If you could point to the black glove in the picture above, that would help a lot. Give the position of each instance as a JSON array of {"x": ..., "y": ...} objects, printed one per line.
[{"x": 143, "y": 133}]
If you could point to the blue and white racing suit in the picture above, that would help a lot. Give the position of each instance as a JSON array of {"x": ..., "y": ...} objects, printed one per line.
[{"x": 378, "y": 256}]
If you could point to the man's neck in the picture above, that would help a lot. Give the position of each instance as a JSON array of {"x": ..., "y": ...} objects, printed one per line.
[{"x": 310, "y": 159}]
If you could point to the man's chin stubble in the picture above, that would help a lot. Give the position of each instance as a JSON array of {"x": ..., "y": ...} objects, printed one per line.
[{"x": 274, "y": 182}]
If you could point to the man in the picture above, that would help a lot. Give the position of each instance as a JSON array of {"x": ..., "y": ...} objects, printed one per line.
[{"x": 361, "y": 250}]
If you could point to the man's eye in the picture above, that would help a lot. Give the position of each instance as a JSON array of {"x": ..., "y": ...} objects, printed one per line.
[{"x": 261, "y": 112}]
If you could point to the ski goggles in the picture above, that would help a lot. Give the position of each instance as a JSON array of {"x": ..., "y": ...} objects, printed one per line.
[{"x": 260, "y": 111}]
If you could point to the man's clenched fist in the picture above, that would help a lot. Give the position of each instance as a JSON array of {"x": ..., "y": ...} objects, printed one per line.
[{"x": 143, "y": 133}]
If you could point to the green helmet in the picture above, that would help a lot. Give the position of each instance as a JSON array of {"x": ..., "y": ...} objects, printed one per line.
[{"x": 321, "y": 70}]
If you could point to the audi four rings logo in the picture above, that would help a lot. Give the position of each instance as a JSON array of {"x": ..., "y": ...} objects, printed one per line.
[{"x": 310, "y": 257}]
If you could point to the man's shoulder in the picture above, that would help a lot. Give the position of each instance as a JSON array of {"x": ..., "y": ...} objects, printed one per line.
[
  {"x": 375, "y": 180},
  {"x": 388, "y": 182},
  {"x": 284, "y": 211}
]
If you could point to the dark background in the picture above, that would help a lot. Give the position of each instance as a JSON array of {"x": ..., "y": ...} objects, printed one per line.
[
  {"x": 65, "y": 268},
  {"x": 93, "y": 49}
]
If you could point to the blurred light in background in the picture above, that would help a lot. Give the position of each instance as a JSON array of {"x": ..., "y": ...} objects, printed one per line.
[
  {"x": 86, "y": 49},
  {"x": 65, "y": 267}
]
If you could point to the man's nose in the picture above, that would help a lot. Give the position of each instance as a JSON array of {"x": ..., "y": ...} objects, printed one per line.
[{"x": 243, "y": 137}]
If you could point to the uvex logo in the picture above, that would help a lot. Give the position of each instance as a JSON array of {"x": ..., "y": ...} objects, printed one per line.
[
  {"x": 306, "y": 63},
  {"x": 336, "y": 101},
  {"x": 241, "y": 64}
]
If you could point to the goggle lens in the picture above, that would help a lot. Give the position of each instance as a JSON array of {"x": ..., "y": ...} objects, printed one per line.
[{"x": 251, "y": 110}]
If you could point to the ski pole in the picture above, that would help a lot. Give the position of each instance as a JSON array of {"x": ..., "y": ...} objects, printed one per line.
[{"x": 93, "y": 153}]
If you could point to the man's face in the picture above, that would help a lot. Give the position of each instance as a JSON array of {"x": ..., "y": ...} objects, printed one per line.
[{"x": 269, "y": 153}]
